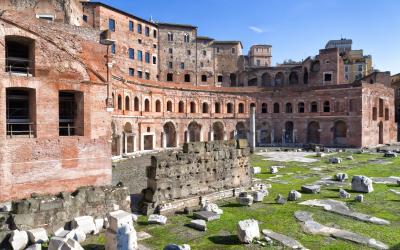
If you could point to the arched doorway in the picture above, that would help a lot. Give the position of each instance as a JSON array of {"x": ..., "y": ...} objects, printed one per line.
[
  {"x": 293, "y": 78},
  {"x": 279, "y": 79},
  {"x": 129, "y": 140},
  {"x": 169, "y": 135},
  {"x": 340, "y": 133},
  {"x": 380, "y": 125},
  {"x": 218, "y": 129},
  {"x": 241, "y": 132},
  {"x": 313, "y": 133},
  {"x": 289, "y": 132},
  {"x": 266, "y": 80},
  {"x": 265, "y": 134},
  {"x": 194, "y": 132}
]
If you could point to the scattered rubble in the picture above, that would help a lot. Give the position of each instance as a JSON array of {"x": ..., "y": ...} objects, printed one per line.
[
  {"x": 200, "y": 225},
  {"x": 37, "y": 236},
  {"x": 361, "y": 184},
  {"x": 245, "y": 199},
  {"x": 313, "y": 227},
  {"x": 85, "y": 223},
  {"x": 206, "y": 215},
  {"x": 159, "y": 219},
  {"x": 283, "y": 239},
  {"x": 212, "y": 207},
  {"x": 341, "y": 177},
  {"x": 280, "y": 199},
  {"x": 121, "y": 234},
  {"x": 294, "y": 195},
  {"x": 18, "y": 239},
  {"x": 248, "y": 230},
  {"x": 339, "y": 207},
  {"x": 273, "y": 170},
  {"x": 359, "y": 198},
  {"x": 256, "y": 170},
  {"x": 335, "y": 160},
  {"x": 344, "y": 194},
  {"x": 177, "y": 247},
  {"x": 311, "y": 189}
]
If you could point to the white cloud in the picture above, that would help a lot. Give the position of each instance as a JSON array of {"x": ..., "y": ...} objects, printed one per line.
[{"x": 256, "y": 29}]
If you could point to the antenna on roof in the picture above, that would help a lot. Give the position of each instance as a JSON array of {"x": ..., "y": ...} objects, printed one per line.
[{"x": 151, "y": 19}]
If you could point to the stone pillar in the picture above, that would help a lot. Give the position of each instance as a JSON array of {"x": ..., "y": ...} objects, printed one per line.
[
  {"x": 252, "y": 128},
  {"x": 126, "y": 143},
  {"x": 187, "y": 136},
  {"x": 294, "y": 136},
  {"x": 235, "y": 134},
  {"x": 283, "y": 136},
  {"x": 164, "y": 139},
  {"x": 272, "y": 136},
  {"x": 211, "y": 135}
]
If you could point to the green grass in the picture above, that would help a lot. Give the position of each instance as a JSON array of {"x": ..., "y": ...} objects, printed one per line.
[{"x": 221, "y": 234}]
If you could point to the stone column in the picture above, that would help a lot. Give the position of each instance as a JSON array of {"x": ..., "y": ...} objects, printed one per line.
[
  {"x": 126, "y": 143},
  {"x": 211, "y": 135},
  {"x": 164, "y": 139},
  {"x": 283, "y": 136},
  {"x": 272, "y": 136},
  {"x": 187, "y": 136},
  {"x": 120, "y": 146},
  {"x": 252, "y": 128}
]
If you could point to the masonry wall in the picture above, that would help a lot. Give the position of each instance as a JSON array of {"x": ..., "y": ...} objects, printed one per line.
[
  {"x": 201, "y": 168},
  {"x": 46, "y": 162}
]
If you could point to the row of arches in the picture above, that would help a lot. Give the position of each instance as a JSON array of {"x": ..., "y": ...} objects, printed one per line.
[
  {"x": 181, "y": 107},
  {"x": 268, "y": 79},
  {"x": 313, "y": 107}
]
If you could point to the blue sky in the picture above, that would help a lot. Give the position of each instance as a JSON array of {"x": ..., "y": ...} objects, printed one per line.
[{"x": 295, "y": 28}]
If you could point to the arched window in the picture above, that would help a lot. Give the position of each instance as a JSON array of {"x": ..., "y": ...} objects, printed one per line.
[
  {"x": 229, "y": 108},
  {"x": 217, "y": 108},
  {"x": 170, "y": 77},
  {"x": 289, "y": 108},
  {"x": 136, "y": 103},
  {"x": 186, "y": 38},
  {"x": 276, "y": 108},
  {"x": 293, "y": 78},
  {"x": 327, "y": 107},
  {"x": 252, "y": 105},
  {"x": 314, "y": 107},
  {"x": 181, "y": 107},
  {"x": 146, "y": 105},
  {"x": 205, "y": 108},
  {"x": 264, "y": 108},
  {"x": 169, "y": 106},
  {"x": 300, "y": 107},
  {"x": 279, "y": 79},
  {"x": 305, "y": 76},
  {"x": 241, "y": 108},
  {"x": 170, "y": 37},
  {"x": 158, "y": 106},
  {"x": 127, "y": 103},
  {"x": 119, "y": 102},
  {"x": 192, "y": 107}
]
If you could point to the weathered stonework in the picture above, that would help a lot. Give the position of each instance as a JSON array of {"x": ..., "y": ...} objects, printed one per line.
[{"x": 200, "y": 169}]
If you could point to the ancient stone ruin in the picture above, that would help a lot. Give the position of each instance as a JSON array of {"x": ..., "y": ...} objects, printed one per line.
[{"x": 201, "y": 169}]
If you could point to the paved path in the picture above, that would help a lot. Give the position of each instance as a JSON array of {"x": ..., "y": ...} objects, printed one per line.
[{"x": 288, "y": 156}]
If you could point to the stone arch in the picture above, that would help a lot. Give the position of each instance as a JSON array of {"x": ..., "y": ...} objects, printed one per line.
[
  {"x": 127, "y": 103},
  {"x": 192, "y": 107},
  {"x": 205, "y": 108},
  {"x": 218, "y": 129},
  {"x": 181, "y": 107},
  {"x": 289, "y": 132},
  {"x": 252, "y": 82},
  {"x": 128, "y": 145},
  {"x": 119, "y": 102},
  {"x": 313, "y": 132},
  {"x": 279, "y": 79},
  {"x": 136, "y": 103},
  {"x": 169, "y": 135},
  {"x": 158, "y": 106},
  {"x": 340, "y": 133},
  {"x": 194, "y": 132},
  {"x": 241, "y": 131},
  {"x": 264, "y": 134},
  {"x": 266, "y": 79},
  {"x": 293, "y": 78},
  {"x": 146, "y": 105},
  {"x": 169, "y": 106}
]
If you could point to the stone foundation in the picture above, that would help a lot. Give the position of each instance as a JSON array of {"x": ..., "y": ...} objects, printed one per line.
[{"x": 202, "y": 169}]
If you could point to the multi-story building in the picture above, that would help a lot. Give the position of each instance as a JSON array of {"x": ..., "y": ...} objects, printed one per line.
[{"x": 76, "y": 94}]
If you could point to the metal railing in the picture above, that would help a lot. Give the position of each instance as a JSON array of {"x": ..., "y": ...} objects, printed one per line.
[
  {"x": 20, "y": 129},
  {"x": 68, "y": 130},
  {"x": 17, "y": 65}
]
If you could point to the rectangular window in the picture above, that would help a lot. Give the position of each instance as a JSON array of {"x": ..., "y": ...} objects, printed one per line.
[
  {"x": 346, "y": 68},
  {"x": 46, "y": 17},
  {"x": 233, "y": 50},
  {"x": 139, "y": 28},
  {"x": 154, "y": 60},
  {"x": 111, "y": 24},
  {"x": 182, "y": 65},
  {"x": 204, "y": 78},
  {"x": 85, "y": 18},
  {"x": 147, "y": 75},
  {"x": 170, "y": 50},
  {"x": 204, "y": 53},
  {"x": 131, "y": 53},
  {"x": 327, "y": 77},
  {"x": 189, "y": 52},
  {"x": 220, "y": 78},
  {"x": 20, "y": 112},
  {"x": 131, "y": 72},
  {"x": 170, "y": 65},
  {"x": 140, "y": 74},
  {"x": 70, "y": 113},
  {"x": 155, "y": 33},
  {"x": 139, "y": 41},
  {"x": 140, "y": 55},
  {"x": 147, "y": 57},
  {"x": 360, "y": 67},
  {"x": 130, "y": 25},
  {"x": 113, "y": 48},
  {"x": 147, "y": 31}
]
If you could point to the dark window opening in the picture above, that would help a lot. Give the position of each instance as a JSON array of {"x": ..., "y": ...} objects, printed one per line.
[
  {"x": 70, "y": 113},
  {"x": 136, "y": 103},
  {"x": 169, "y": 106},
  {"x": 119, "y": 105},
  {"x": 170, "y": 77},
  {"x": 192, "y": 107},
  {"x": 381, "y": 107},
  {"x": 130, "y": 25},
  {"x": 204, "y": 78},
  {"x": 158, "y": 106},
  {"x": 289, "y": 108},
  {"x": 301, "y": 107},
  {"x": 241, "y": 108},
  {"x": 205, "y": 108},
  {"x": 111, "y": 24},
  {"x": 187, "y": 78},
  {"x": 229, "y": 108},
  {"x": 220, "y": 78},
  {"x": 139, "y": 28},
  {"x": 20, "y": 55},
  {"x": 327, "y": 107},
  {"x": 276, "y": 108},
  {"x": 85, "y": 18},
  {"x": 328, "y": 77},
  {"x": 314, "y": 107},
  {"x": 264, "y": 108},
  {"x": 127, "y": 103},
  {"x": 147, "y": 105},
  {"x": 147, "y": 31},
  {"x": 217, "y": 108},
  {"x": 20, "y": 109},
  {"x": 387, "y": 114},
  {"x": 181, "y": 107},
  {"x": 374, "y": 113}
]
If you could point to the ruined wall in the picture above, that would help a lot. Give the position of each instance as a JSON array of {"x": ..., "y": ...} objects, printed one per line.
[
  {"x": 65, "y": 58},
  {"x": 205, "y": 62},
  {"x": 201, "y": 168},
  {"x": 66, "y": 11},
  {"x": 54, "y": 212},
  {"x": 226, "y": 58}
]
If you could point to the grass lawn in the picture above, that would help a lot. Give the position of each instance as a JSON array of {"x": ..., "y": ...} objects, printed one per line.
[{"x": 221, "y": 234}]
